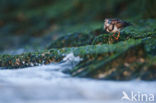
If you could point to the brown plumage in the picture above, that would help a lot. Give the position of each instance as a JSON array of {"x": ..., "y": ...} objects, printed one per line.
[{"x": 114, "y": 26}]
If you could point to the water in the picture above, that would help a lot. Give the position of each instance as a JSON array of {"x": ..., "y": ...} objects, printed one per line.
[{"x": 47, "y": 84}]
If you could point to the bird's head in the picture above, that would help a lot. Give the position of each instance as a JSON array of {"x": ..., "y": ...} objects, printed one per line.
[{"x": 107, "y": 22}]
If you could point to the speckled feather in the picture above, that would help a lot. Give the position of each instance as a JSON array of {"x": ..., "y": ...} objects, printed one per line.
[{"x": 114, "y": 25}]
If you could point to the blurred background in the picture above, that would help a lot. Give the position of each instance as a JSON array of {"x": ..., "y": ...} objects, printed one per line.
[
  {"x": 28, "y": 25},
  {"x": 32, "y": 25}
]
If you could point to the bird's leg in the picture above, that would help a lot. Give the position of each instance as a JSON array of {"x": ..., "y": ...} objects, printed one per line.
[
  {"x": 114, "y": 35},
  {"x": 117, "y": 36}
]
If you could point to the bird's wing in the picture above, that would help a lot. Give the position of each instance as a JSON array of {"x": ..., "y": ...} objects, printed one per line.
[
  {"x": 120, "y": 24},
  {"x": 114, "y": 21}
]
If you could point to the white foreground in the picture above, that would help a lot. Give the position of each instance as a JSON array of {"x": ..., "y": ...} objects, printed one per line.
[{"x": 47, "y": 84}]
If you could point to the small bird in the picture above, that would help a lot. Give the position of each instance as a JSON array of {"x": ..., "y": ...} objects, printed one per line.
[{"x": 114, "y": 26}]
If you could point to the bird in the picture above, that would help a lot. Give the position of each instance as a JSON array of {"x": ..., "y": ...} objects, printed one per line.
[{"x": 114, "y": 25}]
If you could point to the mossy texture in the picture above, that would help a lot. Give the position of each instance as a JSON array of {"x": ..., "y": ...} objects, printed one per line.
[{"x": 58, "y": 27}]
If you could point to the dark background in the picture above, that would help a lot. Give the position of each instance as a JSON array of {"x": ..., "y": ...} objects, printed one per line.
[{"x": 32, "y": 24}]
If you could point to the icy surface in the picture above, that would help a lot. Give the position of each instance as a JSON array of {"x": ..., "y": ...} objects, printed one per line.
[{"x": 47, "y": 84}]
